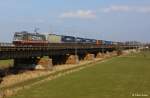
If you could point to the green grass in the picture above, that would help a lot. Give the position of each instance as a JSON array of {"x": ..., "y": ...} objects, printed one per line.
[
  {"x": 28, "y": 82},
  {"x": 119, "y": 77},
  {"x": 5, "y": 63}
]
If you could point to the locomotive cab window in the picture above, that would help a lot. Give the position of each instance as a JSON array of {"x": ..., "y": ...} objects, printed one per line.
[{"x": 18, "y": 37}]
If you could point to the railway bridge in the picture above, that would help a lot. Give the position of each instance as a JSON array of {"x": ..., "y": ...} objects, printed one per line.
[{"x": 57, "y": 53}]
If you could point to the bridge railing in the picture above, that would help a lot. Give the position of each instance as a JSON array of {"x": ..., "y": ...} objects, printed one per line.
[{"x": 53, "y": 46}]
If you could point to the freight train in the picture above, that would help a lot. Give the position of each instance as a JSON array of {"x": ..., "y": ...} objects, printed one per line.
[{"x": 36, "y": 39}]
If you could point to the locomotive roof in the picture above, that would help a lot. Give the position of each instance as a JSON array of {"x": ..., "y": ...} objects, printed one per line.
[{"x": 25, "y": 32}]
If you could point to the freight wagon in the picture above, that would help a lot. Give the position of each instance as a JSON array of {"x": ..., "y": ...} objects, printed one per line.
[
  {"x": 53, "y": 38},
  {"x": 68, "y": 39},
  {"x": 79, "y": 40},
  {"x": 88, "y": 41},
  {"x": 115, "y": 43},
  {"x": 99, "y": 42},
  {"x": 107, "y": 42}
]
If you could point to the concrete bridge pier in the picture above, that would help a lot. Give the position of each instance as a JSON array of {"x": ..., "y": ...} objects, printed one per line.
[
  {"x": 65, "y": 59},
  {"x": 72, "y": 59},
  {"x": 99, "y": 55},
  {"x": 44, "y": 63},
  {"x": 114, "y": 53},
  {"x": 89, "y": 56},
  {"x": 107, "y": 54},
  {"x": 119, "y": 52},
  {"x": 33, "y": 63}
]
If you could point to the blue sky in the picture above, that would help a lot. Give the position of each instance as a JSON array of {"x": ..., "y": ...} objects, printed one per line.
[{"x": 117, "y": 20}]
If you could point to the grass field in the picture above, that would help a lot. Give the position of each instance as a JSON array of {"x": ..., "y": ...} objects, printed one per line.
[
  {"x": 5, "y": 63},
  {"x": 120, "y": 77}
]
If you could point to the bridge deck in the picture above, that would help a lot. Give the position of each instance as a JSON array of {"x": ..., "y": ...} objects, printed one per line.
[{"x": 9, "y": 51}]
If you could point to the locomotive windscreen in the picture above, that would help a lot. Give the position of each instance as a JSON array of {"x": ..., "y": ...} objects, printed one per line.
[{"x": 18, "y": 36}]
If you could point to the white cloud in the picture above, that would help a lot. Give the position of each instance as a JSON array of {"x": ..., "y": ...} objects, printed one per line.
[
  {"x": 126, "y": 8},
  {"x": 40, "y": 20},
  {"x": 84, "y": 14},
  {"x": 144, "y": 9}
]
